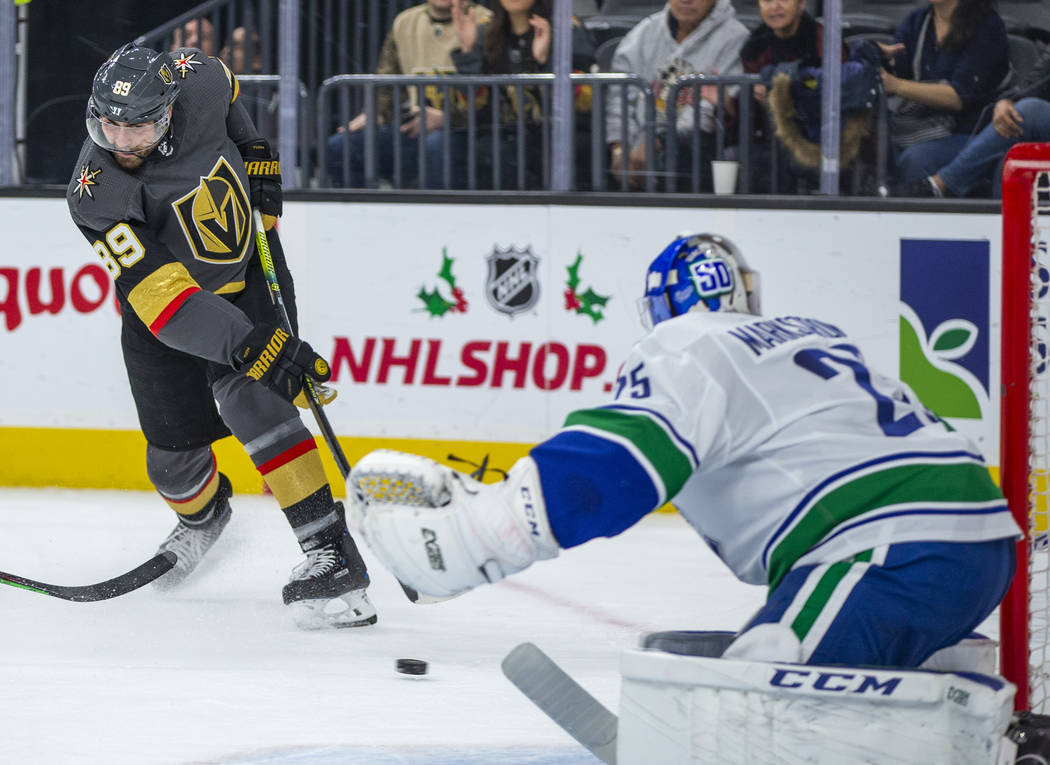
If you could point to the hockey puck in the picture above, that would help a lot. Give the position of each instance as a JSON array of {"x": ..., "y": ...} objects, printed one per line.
[{"x": 411, "y": 666}]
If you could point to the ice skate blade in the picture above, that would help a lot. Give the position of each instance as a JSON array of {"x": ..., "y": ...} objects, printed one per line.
[{"x": 352, "y": 609}]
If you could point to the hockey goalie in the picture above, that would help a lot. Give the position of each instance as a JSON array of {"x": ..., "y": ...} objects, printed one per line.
[{"x": 875, "y": 526}]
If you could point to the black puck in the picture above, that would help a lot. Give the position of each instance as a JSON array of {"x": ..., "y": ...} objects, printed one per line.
[{"x": 411, "y": 666}]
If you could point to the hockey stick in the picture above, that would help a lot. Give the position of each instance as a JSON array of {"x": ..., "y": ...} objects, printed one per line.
[
  {"x": 282, "y": 312},
  {"x": 308, "y": 385},
  {"x": 562, "y": 699},
  {"x": 111, "y": 588}
]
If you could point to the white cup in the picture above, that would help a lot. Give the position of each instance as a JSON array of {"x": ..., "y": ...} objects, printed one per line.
[{"x": 723, "y": 172}]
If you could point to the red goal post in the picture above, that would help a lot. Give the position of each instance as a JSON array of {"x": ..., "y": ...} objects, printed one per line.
[{"x": 1024, "y": 442}]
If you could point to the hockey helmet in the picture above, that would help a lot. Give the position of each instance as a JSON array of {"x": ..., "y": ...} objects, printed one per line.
[
  {"x": 128, "y": 109},
  {"x": 698, "y": 272}
]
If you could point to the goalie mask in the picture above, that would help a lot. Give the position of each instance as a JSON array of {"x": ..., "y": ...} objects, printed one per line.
[
  {"x": 129, "y": 109},
  {"x": 698, "y": 272}
]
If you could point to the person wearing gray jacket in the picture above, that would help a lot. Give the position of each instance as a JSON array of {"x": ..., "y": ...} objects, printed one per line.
[{"x": 686, "y": 37}]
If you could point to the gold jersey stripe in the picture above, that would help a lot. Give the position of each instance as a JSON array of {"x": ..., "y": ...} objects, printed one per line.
[
  {"x": 230, "y": 287},
  {"x": 234, "y": 85},
  {"x": 154, "y": 294},
  {"x": 296, "y": 479},
  {"x": 200, "y": 500}
]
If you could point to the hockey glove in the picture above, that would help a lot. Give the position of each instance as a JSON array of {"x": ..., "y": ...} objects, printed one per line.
[
  {"x": 279, "y": 361},
  {"x": 442, "y": 533},
  {"x": 264, "y": 179}
]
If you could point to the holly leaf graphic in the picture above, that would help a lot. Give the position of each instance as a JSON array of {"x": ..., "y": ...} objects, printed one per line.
[
  {"x": 574, "y": 272},
  {"x": 446, "y": 269},
  {"x": 433, "y": 303},
  {"x": 591, "y": 304}
]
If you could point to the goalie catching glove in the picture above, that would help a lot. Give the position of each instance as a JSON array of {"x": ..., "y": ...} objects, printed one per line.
[
  {"x": 442, "y": 533},
  {"x": 273, "y": 357}
]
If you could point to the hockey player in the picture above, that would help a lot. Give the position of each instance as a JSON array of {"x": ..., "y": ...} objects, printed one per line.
[
  {"x": 163, "y": 190},
  {"x": 875, "y": 525}
]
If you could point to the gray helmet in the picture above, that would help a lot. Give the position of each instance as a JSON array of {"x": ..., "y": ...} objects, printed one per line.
[{"x": 134, "y": 87}]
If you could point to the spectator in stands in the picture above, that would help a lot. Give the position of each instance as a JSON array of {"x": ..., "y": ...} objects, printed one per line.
[
  {"x": 420, "y": 42},
  {"x": 243, "y": 53},
  {"x": 1022, "y": 115},
  {"x": 195, "y": 33},
  {"x": 788, "y": 33},
  {"x": 950, "y": 59},
  {"x": 686, "y": 37},
  {"x": 517, "y": 40},
  {"x": 200, "y": 33}
]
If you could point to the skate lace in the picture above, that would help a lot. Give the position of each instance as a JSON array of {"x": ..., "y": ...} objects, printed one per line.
[{"x": 318, "y": 563}]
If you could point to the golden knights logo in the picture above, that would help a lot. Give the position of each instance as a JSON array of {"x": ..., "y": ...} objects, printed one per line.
[
  {"x": 512, "y": 285},
  {"x": 216, "y": 216},
  {"x": 86, "y": 180},
  {"x": 185, "y": 62}
]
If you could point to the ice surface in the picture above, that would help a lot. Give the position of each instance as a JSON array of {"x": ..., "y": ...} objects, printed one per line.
[{"x": 216, "y": 672}]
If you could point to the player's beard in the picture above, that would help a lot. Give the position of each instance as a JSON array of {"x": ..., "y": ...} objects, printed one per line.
[{"x": 132, "y": 160}]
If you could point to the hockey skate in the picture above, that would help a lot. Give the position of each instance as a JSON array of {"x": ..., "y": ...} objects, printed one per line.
[
  {"x": 328, "y": 589},
  {"x": 190, "y": 543}
]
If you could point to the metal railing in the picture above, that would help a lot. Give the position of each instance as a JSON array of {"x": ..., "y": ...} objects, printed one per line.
[
  {"x": 336, "y": 36},
  {"x": 484, "y": 134},
  {"x": 371, "y": 159},
  {"x": 260, "y": 94}
]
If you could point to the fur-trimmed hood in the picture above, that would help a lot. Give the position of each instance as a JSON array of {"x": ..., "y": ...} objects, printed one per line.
[{"x": 795, "y": 105}]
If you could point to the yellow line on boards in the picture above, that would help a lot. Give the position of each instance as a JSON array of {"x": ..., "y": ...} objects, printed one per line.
[{"x": 116, "y": 459}]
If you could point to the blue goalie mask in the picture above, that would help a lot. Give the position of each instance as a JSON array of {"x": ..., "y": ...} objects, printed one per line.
[{"x": 698, "y": 272}]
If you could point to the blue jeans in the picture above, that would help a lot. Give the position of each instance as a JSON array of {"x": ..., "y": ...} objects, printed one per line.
[
  {"x": 981, "y": 156},
  {"x": 923, "y": 159},
  {"x": 433, "y": 151}
]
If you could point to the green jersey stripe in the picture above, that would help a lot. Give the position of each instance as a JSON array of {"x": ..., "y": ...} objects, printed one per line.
[
  {"x": 630, "y": 448},
  {"x": 818, "y": 599},
  {"x": 960, "y": 487},
  {"x": 650, "y": 438}
]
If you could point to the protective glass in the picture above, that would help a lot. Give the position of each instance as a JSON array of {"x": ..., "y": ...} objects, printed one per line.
[{"x": 114, "y": 136}]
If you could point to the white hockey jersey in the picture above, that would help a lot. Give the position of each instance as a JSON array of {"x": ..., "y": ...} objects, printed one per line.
[{"x": 775, "y": 441}]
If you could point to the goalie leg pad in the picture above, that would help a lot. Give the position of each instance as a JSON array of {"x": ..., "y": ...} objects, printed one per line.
[
  {"x": 687, "y": 709},
  {"x": 442, "y": 533}
]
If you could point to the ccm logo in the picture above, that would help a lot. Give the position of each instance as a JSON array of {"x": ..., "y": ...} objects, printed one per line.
[
  {"x": 437, "y": 561},
  {"x": 833, "y": 682}
]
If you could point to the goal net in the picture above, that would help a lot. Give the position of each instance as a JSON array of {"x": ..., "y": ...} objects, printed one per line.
[{"x": 1024, "y": 455}]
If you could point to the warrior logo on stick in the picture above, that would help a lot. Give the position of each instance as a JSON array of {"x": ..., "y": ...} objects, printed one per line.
[{"x": 512, "y": 286}]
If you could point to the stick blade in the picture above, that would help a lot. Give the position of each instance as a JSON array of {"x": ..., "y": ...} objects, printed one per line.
[
  {"x": 562, "y": 699},
  {"x": 111, "y": 588}
]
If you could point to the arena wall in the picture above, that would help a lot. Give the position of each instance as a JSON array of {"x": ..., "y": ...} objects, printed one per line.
[{"x": 472, "y": 329}]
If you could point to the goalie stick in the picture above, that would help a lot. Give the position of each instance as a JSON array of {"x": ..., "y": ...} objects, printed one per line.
[
  {"x": 563, "y": 700},
  {"x": 111, "y": 588}
]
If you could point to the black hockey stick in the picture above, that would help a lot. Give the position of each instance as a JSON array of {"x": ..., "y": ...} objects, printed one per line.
[
  {"x": 308, "y": 385},
  {"x": 563, "y": 700},
  {"x": 111, "y": 588}
]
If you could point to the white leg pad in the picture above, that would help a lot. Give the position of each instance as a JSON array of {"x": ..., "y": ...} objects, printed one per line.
[
  {"x": 686, "y": 709},
  {"x": 968, "y": 655}
]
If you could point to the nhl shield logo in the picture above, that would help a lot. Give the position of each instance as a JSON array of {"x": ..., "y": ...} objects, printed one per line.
[{"x": 512, "y": 286}]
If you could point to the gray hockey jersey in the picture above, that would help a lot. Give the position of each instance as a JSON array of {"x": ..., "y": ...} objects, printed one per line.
[{"x": 177, "y": 232}]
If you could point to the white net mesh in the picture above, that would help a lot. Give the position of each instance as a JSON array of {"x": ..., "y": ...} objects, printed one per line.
[{"x": 1039, "y": 452}]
